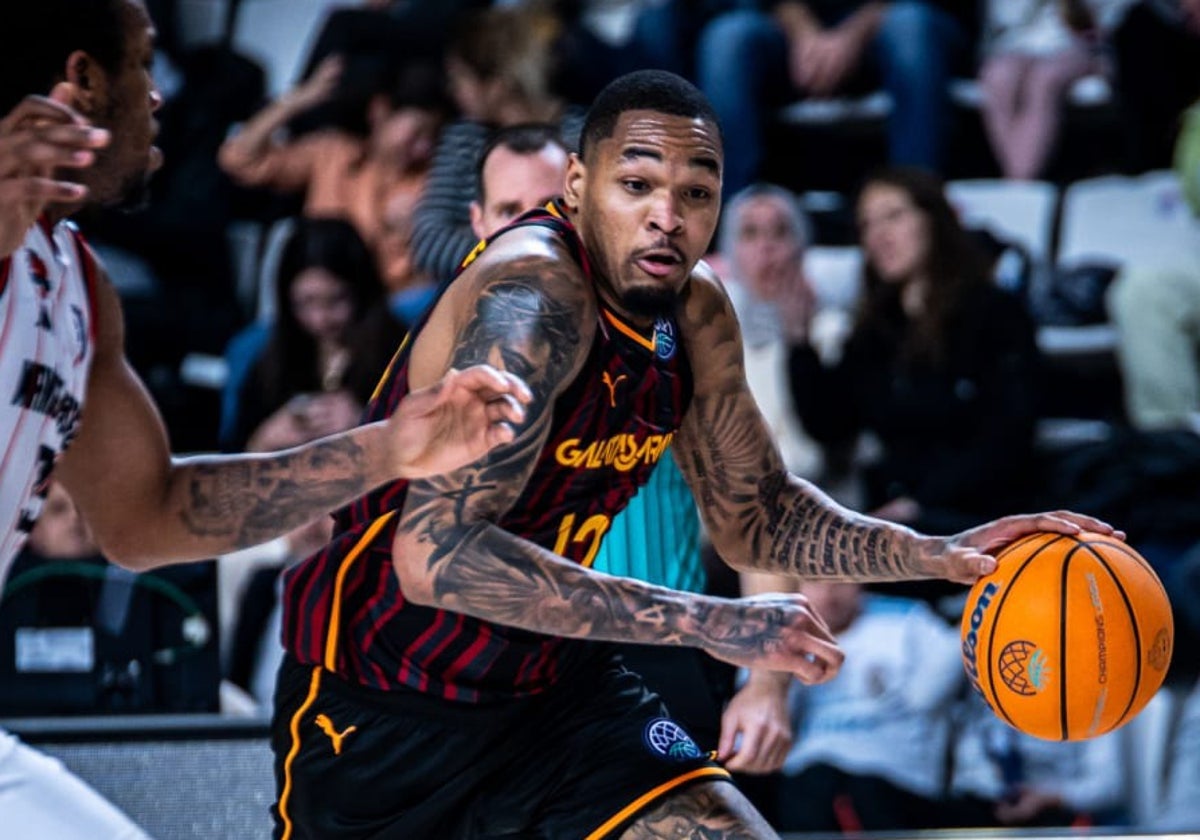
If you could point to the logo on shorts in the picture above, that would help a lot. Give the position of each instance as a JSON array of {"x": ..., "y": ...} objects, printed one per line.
[
  {"x": 326, "y": 726},
  {"x": 667, "y": 738}
]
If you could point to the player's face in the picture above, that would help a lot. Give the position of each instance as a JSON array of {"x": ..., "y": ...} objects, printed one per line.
[
  {"x": 765, "y": 246},
  {"x": 648, "y": 201},
  {"x": 123, "y": 169},
  {"x": 514, "y": 183},
  {"x": 894, "y": 233}
]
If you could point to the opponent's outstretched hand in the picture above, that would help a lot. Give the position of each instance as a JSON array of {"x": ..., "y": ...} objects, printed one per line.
[
  {"x": 966, "y": 557},
  {"x": 457, "y": 420},
  {"x": 37, "y": 138}
]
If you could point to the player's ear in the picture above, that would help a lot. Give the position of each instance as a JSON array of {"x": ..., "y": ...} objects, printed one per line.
[
  {"x": 573, "y": 186},
  {"x": 87, "y": 82}
]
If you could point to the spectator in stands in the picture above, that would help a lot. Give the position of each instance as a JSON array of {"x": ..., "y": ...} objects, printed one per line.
[
  {"x": 603, "y": 39},
  {"x": 1156, "y": 310},
  {"x": 331, "y": 343},
  {"x": 871, "y": 746},
  {"x": 1157, "y": 52},
  {"x": 61, "y": 533},
  {"x": 1005, "y": 778},
  {"x": 940, "y": 365},
  {"x": 521, "y": 167},
  {"x": 501, "y": 67},
  {"x": 1034, "y": 50},
  {"x": 373, "y": 181},
  {"x": 749, "y": 61},
  {"x": 763, "y": 236},
  {"x": 1180, "y": 811}
]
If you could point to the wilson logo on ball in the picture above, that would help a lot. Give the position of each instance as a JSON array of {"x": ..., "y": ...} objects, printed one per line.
[{"x": 970, "y": 643}]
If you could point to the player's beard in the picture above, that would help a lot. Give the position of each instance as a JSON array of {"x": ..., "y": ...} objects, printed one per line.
[{"x": 649, "y": 301}]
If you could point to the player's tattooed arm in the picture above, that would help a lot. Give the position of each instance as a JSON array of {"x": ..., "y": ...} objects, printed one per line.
[
  {"x": 536, "y": 319},
  {"x": 758, "y": 515}
]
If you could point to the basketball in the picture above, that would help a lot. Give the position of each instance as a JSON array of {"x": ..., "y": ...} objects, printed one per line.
[{"x": 1070, "y": 637}]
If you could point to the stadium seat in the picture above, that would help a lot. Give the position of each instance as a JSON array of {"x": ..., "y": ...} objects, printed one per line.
[{"x": 1021, "y": 211}]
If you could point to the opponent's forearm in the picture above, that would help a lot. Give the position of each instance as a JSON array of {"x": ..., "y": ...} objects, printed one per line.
[{"x": 218, "y": 504}]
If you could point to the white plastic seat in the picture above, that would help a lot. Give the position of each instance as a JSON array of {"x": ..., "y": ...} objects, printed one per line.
[{"x": 1022, "y": 211}]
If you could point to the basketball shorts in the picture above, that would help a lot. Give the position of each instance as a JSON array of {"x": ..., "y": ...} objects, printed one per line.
[{"x": 582, "y": 760}]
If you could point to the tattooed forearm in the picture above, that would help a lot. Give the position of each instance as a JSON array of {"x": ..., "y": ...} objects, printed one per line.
[
  {"x": 245, "y": 501},
  {"x": 491, "y": 574},
  {"x": 779, "y": 524},
  {"x": 811, "y": 536}
]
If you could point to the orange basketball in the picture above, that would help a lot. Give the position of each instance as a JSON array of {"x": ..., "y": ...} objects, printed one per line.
[{"x": 1070, "y": 637}]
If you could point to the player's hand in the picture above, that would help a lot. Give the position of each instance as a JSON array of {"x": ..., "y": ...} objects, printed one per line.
[
  {"x": 756, "y": 732},
  {"x": 966, "y": 557},
  {"x": 778, "y": 632},
  {"x": 456, "y": 421},
  {"x": 38, "y": 137}
]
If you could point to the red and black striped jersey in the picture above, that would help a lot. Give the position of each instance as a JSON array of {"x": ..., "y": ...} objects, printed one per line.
[{"x": 343, "y": 607}]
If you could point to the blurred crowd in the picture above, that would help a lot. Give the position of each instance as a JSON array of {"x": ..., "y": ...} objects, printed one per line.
[{"x": 315, "y": 196}]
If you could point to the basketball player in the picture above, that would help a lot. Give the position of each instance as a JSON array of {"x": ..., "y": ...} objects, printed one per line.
[
  {"x": 67, "y": 383},
  {"x": 522, "y": 167},
  {"x": 446, "y": 673}
]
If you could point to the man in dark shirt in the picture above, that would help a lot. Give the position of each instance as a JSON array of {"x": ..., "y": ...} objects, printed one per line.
[{"x": 750, "y": 61}]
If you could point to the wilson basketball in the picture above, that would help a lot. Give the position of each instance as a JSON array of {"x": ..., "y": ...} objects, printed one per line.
[{"x": 1070, "y": 637}]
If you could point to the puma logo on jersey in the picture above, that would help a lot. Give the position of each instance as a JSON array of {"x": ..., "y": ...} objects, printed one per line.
[
  {"x": 612, "y": 386},
  {"x": 336, "y": 737}
]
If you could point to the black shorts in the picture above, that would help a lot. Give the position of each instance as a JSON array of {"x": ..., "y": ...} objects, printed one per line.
[{"x": 582, "y": 760}]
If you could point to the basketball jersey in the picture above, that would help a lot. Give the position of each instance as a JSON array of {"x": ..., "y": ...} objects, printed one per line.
[
  {"x": 47, "y": 339},
  {"x": 343, "y": 607}
]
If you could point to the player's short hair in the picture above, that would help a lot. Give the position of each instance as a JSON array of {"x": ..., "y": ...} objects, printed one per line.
[
  {"x": 643, "y": 90},
  {"x": 40, "y": 34},
  {"x": 523, "y": 139}
]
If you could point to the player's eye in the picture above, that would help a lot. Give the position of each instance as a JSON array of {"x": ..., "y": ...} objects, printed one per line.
[{"x": 635, "y": 185}]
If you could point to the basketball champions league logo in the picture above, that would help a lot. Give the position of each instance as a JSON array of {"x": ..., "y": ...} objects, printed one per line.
[
  {"x": 667, "y": 739},
  {"x": 664, "y": 339},
  {"x": 1023, "y": 668}
]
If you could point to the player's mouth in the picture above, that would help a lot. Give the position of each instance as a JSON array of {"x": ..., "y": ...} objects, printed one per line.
[
  {"x": 155, "y": 159},
  {"x": 658, "y": 262}
]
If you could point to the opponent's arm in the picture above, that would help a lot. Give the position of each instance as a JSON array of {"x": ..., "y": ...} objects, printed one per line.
[
  {"x": 147, "y": 510},
  {"x": 534, "y": 317},
  {"x": 761, "y": 518}
]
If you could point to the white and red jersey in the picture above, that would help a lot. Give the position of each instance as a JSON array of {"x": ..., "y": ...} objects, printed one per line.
[{"x": 47, "y": 341}]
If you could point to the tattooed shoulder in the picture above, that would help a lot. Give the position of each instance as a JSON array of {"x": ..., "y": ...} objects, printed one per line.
[{"x": 532, "y": 315}]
